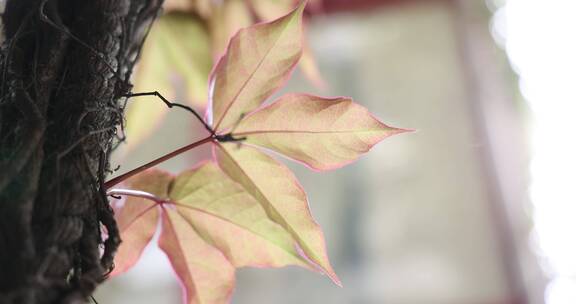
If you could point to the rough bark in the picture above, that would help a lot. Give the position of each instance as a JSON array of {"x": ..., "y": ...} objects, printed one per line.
[{"x": 64, "y": 67}]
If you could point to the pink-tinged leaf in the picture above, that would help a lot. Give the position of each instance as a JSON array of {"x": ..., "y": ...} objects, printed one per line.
[
  {"x": 315, "y": 6},
  {"x": 271, "y": 9},
  {"x": 322, "y": 133},
  {"x": 176, "y": 52},
  {"x": 267, "y": 10},
  {"x": 228, "y": 217},
  {"x": 201, "y": 7},
  {"x": 187, "y": 45},
  {"x": 178, "y": 5},
  {"x": 279, "y": 193},
  {"x": 227, "y": 19},
  {"x": 138, "y": 218},
  {"x": 258, "y": 61},
  {"x": 144, "y": 114},
  {"x": 309, "y": 67},
  {"x": 137, "y": 226},
  {"x": 207, "y": 276}
]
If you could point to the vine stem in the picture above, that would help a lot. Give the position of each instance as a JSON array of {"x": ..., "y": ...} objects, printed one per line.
[{"x": 125, "y": 176}]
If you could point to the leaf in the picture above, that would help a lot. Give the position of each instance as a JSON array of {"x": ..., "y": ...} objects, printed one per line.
[
  {"x": 178, "y": 45},
  {"x": 138, "y": 218},
  {"x": 188, "y": 54},
  {"x": 250, "y": 210},
  {"x": 137, "y": 224},
  {"x": 229, "y": 218},
  {"x": 227, "y": 19},
  {"x": 271, "y": 9},
  {"x": 178, "y": 5},
  {"x": 258, "y": 61},
  {"x": 207, "y": 276},
  {"x": 210, "y": 225},
  {"x": 267, "y": 10},
  {"x": 152, "y": 74},
  {"x": 309, "y": 67},
  {"x": 201, "y": 7},
  {"x": 323, "y": 133},
  {"x": 281, "y": 196}
]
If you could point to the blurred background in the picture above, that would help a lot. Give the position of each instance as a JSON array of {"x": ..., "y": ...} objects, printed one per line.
[{"x": 477, "y": 206}]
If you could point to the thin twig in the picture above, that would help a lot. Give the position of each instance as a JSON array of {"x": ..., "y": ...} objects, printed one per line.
[
  {"x": 93, "y": 299},
  {"x": 173, "y": 104}
]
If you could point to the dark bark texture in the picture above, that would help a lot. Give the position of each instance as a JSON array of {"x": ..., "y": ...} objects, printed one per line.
[{"x": 64, "y": 67}]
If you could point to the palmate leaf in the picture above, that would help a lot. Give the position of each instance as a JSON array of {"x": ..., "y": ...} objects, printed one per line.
[
  {"x": 258, "y": 61},
  {"x": 249, "y": 209},
  {"x": 210, "y": 226},
  {"x": 323, "y": 133}
]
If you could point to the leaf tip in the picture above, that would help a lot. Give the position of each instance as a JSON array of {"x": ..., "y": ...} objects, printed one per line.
[
  {"x": 395, "y": 131},
  {"x": 389, "y": 130},
  {"x": 333, "y": 276},
  {"x": 323, "y": 267},
  {"x": 335, "y": 279},
  {"x": 339, "y": 283},
  {"x": 299, "y": 10}
]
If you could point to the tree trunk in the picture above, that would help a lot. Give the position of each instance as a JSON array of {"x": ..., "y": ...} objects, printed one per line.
[{"x": 64, "y": 67}]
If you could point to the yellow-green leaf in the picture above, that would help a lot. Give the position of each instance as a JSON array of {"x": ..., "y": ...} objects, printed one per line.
[
  {"x": 201, "y": 7},
  {"x": 178, "y": 5},
  {"x": 267, "y": 10},
  {"x": 207, "y": 276},
  {"x": 309, "y": 67},
  {"x": 188, "y": 53},
  {"x": 210, "y": 225},
  {"x": 152, "y": 74},
  {"x": 228, "y": 18},
  {"x": 281, "y": 196},
  {"x": 228, "y": 217},
  {"x": 176, "y": 54},
  {"x": 322, "y": 133},
  {"x": 271, "y": 9},
  {"x": 258, "y": 61}
]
